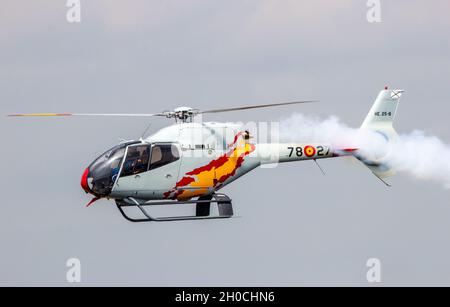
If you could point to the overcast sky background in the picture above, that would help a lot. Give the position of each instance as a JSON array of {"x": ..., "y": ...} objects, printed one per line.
[{"x": 297, "y": 227}]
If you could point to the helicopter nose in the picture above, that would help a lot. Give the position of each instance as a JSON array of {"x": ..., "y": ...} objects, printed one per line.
[{"x": 84, "y": 181}]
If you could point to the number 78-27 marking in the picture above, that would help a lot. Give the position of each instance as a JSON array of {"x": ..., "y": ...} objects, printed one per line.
[{"x": 300, "y": 151}]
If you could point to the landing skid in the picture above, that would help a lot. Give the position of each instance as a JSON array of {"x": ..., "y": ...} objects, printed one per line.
[{"x": 203, "y": 205}]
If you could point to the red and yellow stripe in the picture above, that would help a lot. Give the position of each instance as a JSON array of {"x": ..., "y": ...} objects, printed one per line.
[{"x": 40, "y": 114}]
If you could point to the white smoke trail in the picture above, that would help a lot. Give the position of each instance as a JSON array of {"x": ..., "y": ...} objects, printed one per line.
[{"x": 423, "y": 156}]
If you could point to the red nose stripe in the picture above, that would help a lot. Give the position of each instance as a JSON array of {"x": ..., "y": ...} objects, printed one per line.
[{"x": 84, "y": 183}]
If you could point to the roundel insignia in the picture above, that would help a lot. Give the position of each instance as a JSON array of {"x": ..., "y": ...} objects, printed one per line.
[{"x": 310, "y": 151}]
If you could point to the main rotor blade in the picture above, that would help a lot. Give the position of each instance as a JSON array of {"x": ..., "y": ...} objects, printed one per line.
[
  {"x": 256, "y": 106},
  {"x": 82, "y": 114}
]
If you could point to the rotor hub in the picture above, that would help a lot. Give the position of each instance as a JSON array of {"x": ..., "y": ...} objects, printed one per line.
[{"x": 183, "y": 114}]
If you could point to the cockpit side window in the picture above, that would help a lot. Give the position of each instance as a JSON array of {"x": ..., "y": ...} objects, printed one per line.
[
  {"x": 136, "y": 161},
  {"x": 163, "y": 154}
]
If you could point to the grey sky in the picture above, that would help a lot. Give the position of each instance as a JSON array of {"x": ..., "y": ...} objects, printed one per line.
[{"x": 297, "y": 227}]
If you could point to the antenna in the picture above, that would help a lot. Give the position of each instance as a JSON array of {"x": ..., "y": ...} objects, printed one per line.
[
  {"x": 145, "y": 131},
  {"x": 318, "y": 165}
]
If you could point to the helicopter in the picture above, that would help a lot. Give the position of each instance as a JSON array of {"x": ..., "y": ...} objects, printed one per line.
[{"x": 189, "y": 162}]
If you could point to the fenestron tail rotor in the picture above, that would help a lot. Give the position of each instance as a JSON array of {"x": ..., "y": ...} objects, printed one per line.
[{"x": 183, "y": 114}]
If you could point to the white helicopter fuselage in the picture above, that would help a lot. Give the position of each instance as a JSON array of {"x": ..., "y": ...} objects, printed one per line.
[{"x": 203, "y": 158}]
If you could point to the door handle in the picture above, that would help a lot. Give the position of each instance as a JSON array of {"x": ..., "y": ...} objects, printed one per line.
[
  {"x": 168, "y": 176},
  {"x": 137, "y": 176}
]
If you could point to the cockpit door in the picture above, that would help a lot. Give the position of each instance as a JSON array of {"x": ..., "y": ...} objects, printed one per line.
[
  {"x": 164, "y": 165},
  {"x": 136, "y": 160},
  {"x": 134, "y": 165},
  {"x": 149, "y": 168}
]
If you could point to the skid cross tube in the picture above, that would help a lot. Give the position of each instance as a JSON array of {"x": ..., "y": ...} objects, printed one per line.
[
  {"x": 162, "y": 203},
  {"x": 223, "y": 203}
]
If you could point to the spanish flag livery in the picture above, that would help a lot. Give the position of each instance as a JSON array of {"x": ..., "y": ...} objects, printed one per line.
[{"x": 198, "y": 181}]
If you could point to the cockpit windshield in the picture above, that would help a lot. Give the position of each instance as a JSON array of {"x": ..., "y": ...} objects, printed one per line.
[{"x": 104, "y": 169}]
